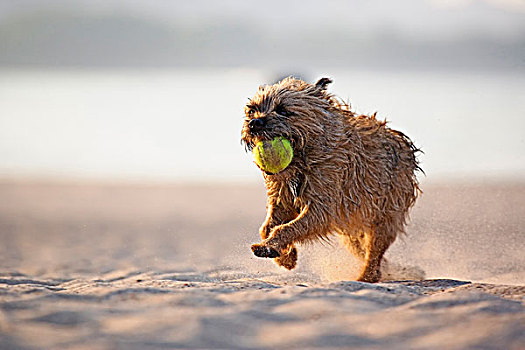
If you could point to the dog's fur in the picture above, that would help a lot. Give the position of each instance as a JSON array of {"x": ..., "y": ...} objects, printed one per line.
[{"x": 350, "y": 175}]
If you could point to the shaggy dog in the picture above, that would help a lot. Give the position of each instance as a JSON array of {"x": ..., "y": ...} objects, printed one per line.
[{"x": 351, "y": 175}]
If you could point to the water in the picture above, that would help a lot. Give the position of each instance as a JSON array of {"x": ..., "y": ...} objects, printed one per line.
[{"x": 185, "y": 124}]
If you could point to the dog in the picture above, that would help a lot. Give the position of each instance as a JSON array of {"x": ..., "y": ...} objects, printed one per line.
[{"x": 350, "y": 175}]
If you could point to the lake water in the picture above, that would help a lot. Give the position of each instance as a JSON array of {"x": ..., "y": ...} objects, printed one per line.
[{"x": 185, "y": 124}]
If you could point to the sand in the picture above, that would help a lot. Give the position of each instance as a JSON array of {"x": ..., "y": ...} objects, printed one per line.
[{"x": 122, "y": 266}]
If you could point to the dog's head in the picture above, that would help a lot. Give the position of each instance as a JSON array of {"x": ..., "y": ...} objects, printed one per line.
[{"x": 292, "y": 109}]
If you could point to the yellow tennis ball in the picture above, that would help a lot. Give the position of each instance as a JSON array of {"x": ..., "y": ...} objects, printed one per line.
[{"x": 273, "y": 156}]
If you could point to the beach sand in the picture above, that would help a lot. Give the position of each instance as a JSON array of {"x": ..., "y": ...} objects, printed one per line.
[{"x": 123, "y": 266}]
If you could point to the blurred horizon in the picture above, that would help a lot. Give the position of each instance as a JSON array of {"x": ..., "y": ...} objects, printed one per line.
[
  {"x": 282, "y": 36},
  {"x": 154, "y": 91}
]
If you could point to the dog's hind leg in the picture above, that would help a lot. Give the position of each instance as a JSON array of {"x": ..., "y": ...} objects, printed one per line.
[
  {"x": 377, "y": 241},
  {"x": 355, "y": 244}
]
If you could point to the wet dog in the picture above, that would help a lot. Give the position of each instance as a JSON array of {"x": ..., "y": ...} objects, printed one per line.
[{"x": 351, "y": 175}]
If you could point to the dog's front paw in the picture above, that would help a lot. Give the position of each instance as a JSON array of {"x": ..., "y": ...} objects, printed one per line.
[
  {"x": 264, "y": 251},
  {"x": 288, "y": 260}
]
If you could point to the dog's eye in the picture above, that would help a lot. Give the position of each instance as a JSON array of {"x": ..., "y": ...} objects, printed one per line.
[
  {"x": 281, "y": 111},
  {"x": 251, "y": 112}
]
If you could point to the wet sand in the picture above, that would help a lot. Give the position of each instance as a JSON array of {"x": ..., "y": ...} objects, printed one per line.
[{"x": 115, "y": 266}]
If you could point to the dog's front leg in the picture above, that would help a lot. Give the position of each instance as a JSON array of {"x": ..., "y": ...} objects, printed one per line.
[
  {"x": 282, "y": 237},
  {"x": 277, "y": 215}
]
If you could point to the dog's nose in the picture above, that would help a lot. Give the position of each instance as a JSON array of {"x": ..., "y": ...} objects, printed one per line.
[{"x": 256, "y": 124}]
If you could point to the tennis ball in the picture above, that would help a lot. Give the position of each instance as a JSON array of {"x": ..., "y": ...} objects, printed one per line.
[{"x": 273, "y": 156}]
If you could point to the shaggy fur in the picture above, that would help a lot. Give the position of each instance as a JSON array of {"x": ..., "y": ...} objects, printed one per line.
[{"x": 351, "y": 175}]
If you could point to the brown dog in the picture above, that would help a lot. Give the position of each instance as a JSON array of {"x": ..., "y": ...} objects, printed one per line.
[{"x": 350, "y": 174}]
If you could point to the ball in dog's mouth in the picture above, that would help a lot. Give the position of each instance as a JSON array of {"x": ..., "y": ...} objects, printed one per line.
[{"x": 273, "y": 156}]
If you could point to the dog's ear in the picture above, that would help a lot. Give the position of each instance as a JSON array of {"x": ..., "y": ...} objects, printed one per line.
[{"x": 322, "y": 83}]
